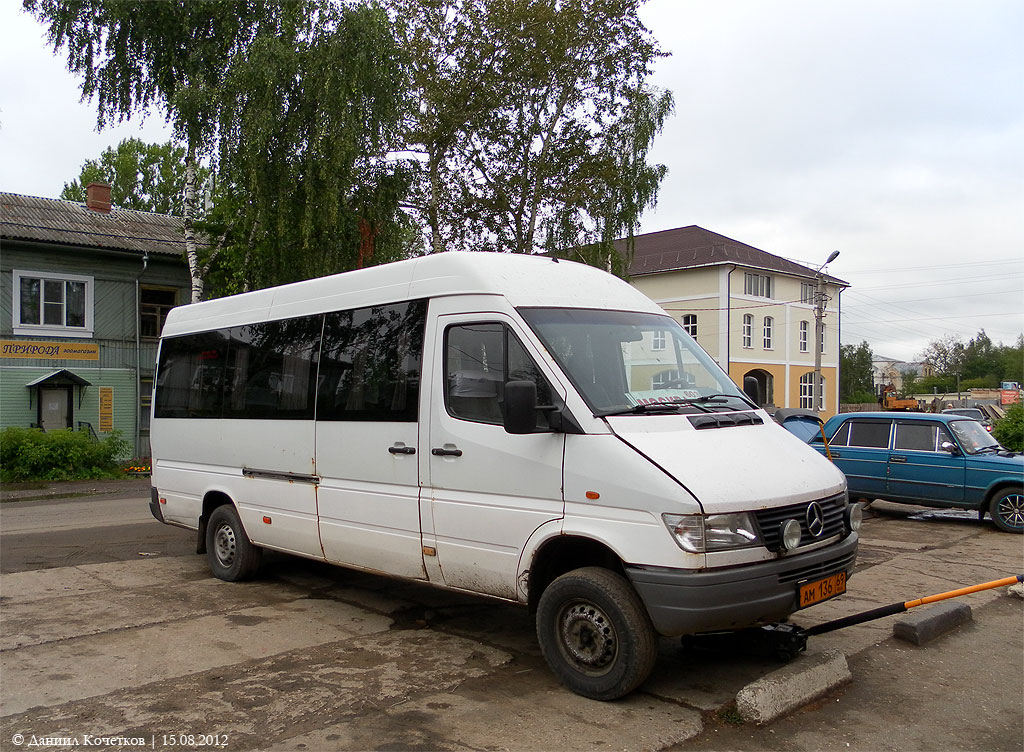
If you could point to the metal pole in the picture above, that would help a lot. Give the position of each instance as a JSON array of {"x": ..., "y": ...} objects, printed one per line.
[
  {"x": 818, "y": 315},
  {"x": 819, "y": 331}
]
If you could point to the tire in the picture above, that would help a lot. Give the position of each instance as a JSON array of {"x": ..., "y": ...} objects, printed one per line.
[
  {"x": 1007, "y": 509},
  {"x": 232, "y": 557},
  {"x": 595, "y": 633}
]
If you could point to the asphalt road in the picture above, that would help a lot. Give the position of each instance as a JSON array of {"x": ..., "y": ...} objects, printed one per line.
[
  {"x": 111, "y": 625},
  {"x": 86, "y": 530}
]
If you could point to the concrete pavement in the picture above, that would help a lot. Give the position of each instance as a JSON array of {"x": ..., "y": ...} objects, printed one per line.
[{"x": 316, "y": 657}]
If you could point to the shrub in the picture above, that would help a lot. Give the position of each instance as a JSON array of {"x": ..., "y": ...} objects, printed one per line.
[
  {"x": 1009, "y": 431},
  {"x": 30, "y": 454}
]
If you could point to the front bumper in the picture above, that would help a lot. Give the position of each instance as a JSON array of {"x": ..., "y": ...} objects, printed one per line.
[{"x": 682, "y": 601}]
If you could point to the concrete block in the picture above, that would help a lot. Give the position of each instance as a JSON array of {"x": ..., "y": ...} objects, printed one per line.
[
  {"x": 808, "y": 677},
  {"x": 920, "y": 627},
  {"x": 1017, "y": 590}
]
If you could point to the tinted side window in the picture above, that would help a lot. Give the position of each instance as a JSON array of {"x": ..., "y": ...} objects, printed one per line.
[
  {"x": 874, "y": 434},
  {"x": 264, "y": 370},
  {"x": 371, "y": 361},
  {"x": 271, "y": 369},
  {"x": 920, "y": 437},
  {"x": 479, "y": 359},
  {"x": 841, "y": 437},
  {"x": 190, "y": 376}
]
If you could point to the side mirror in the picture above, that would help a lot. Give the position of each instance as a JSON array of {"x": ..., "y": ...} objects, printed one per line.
[
  {"x": 752, "y": 389},
  {"x": 949, "y": 446},
  {"x": 520, "y": 407}
]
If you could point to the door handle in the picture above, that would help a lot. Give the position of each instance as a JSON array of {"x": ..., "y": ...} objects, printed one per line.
[
  {"x": 441, "y": 452},
  {"x": 835, "y": 453},
  {"x": 402, "y": 449},
  {"x": 897, "y": 458}
]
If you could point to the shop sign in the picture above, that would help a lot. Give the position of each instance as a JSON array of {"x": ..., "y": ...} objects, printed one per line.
[{"x": 37, "y": 350}]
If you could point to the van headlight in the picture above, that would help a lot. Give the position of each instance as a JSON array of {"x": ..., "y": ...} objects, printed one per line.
[{"x": 700, "y": 533}]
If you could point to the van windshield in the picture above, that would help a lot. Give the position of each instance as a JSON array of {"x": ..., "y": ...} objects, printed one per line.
[{"x": 627, "y": 362}]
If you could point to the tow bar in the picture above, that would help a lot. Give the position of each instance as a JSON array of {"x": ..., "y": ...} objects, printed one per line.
[{"x": 785, "y": 640}]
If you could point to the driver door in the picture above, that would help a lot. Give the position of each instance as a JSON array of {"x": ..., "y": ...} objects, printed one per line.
[{"x": 488, "y": 490}]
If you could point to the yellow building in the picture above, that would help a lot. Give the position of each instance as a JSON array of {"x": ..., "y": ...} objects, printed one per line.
[{"x": 751, "y": 310}]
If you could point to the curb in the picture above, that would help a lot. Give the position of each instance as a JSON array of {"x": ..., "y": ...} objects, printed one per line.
[
  {"x": 934, "y": 622},
  {"x": 808, "y": 677}
]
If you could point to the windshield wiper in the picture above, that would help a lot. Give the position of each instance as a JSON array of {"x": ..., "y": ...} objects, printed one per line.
[{"x": 653, "y": 407}]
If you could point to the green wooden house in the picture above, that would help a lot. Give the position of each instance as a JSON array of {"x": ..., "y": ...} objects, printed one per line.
[{"x": 84, "y": 290}]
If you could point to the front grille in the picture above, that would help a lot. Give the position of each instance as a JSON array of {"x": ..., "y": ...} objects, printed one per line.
[{"x": 770, "y": 520}]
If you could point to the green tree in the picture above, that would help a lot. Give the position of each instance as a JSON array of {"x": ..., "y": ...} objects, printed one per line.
[
  {"x": 856, "y": 375},
  {"x": 534, "y": 119},
  {"x": 946, "y": 358},
  {"x": 145, "y": 177},
  {"x": 172, "y": 55},
  {"x": 1009, "y": 431},
  {"x": 307, "y": 120}
]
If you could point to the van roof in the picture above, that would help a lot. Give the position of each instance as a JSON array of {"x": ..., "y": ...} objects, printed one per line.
[{"x": 523, "y": 280}]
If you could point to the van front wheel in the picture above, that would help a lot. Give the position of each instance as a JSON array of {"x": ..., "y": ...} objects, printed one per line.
[
  {"x": 595, "y": 633},
  {"x": 232, "y": 557}
]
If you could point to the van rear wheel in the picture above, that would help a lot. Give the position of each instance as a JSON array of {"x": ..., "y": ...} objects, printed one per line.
[
  {"x": 232, "y": 557},
  {"x": 595, "y": 633}
]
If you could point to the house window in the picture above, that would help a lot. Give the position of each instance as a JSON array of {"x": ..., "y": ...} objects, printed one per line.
[
  {"x": 805, "y": 327},
  {"x": 807, "y": 293},
  {"x": 758, "y": 285},
  {"x": 145, "y": 401},
  {"x": 807, "y": 391},
  {"x": 52, "y": 304},
  {"x": 154, "y": 303},
  {"x": 658, "y": 342},
  {"x": 690, "y": 324},
  {"x": 748, "y": 331},
  {"x": 769, "y": 324}
]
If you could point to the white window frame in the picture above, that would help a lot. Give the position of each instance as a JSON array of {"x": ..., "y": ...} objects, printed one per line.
[
  {"x": 689, "y": 322},
  {"x": 748, "y": 331},
  {"x": 757, "y": 285},
  {"x": 658, "y": 340},
  {"x": 807, "y": 391},
  {"x": 50, "y": 330},
  {"x": 805, "y": 327},
  {"x": 807, "y": 293},
  {"x": 769, "y": 333}
]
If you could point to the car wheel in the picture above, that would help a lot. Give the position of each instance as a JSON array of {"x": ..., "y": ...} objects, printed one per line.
[
  {"x": 1007, "y": 510},
  {"x": 232, "y": 557},
  {"x": 595, "y": 633}
]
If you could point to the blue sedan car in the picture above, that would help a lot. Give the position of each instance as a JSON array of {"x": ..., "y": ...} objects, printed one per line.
[{"x": 933, "y": 460}]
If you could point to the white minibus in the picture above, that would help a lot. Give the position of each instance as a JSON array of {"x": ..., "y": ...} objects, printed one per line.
[{"x": 515, "y": 426}]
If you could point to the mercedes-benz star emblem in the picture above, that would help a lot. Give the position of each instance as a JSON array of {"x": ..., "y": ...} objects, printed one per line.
[{"x": 815, "y": 519}]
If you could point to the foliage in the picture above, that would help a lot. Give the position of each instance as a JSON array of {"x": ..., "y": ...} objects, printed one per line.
[
  {"x": 1009, "y": 431},
  {"x": 856, "y": 376},
  {"x": 145, "y": 177},
  {"x": 978, "y": 363},
  {"x": 31, "y": 454},
  {"x": 307, "y": 119},
  {"x": 173, "y": 55},
  {"x": 533, "y": 120}
]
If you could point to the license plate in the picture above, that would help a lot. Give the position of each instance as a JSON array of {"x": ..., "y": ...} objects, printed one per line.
[{"x": 821, "y": 590}]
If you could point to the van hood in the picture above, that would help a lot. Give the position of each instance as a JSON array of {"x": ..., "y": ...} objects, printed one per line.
[{"x": 732, "y": 468}]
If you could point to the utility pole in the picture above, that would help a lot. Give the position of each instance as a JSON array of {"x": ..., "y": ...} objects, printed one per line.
[{"x": 819, "y": 330}]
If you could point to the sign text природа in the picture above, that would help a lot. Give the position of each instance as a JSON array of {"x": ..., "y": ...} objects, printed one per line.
[{"x": 49, "y": 350}]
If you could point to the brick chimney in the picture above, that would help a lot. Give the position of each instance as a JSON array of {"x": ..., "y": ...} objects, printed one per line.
[{"x": 97, "y": 197}]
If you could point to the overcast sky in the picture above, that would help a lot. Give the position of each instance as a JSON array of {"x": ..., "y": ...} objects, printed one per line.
[{"x": 890, "y": 131}]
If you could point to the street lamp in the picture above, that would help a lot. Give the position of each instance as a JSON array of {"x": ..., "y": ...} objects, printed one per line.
[{"x": 819, "y": 330}]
